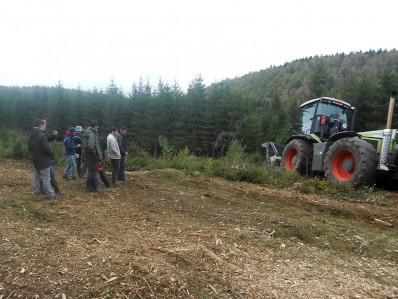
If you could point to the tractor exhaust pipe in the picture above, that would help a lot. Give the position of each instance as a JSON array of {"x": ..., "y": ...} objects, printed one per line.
[
  {"x": 391, "y": 109},
  {"x": 387, "y": 134}
]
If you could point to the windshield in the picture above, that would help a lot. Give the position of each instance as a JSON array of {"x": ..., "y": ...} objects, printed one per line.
[{"x": 334, "y": 112}]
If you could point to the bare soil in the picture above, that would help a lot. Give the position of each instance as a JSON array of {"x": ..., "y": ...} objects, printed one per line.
[{"x": 166, "y": 234}]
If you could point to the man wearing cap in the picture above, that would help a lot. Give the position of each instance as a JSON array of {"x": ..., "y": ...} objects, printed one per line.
[{"x": 70, "y": 152}]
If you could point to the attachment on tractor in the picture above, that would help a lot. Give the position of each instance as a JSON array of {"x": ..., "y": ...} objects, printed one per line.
[{"x": 274, "y": 160}]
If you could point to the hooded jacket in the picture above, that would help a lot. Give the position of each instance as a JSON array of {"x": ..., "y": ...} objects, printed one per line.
[
  {"x": 69, "y": 142},
  {"x": 40, "y": 148}
]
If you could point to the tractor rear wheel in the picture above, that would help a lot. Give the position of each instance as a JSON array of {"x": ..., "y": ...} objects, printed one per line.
[
  {"x": 297, "y": 155},
  {"x": 351, "y": 161}
]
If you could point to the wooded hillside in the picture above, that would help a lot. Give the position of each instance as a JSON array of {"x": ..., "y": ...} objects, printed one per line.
[{"x": 253, "y": 108}]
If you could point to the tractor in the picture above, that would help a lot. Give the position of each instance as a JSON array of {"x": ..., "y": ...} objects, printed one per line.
[{"x": 327, "y": 145}]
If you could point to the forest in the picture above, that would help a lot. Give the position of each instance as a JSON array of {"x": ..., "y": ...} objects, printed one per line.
[{"x": 252, "y": 109}]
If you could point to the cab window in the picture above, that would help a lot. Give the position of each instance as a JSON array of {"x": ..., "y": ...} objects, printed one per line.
[{"x": 307, "y": 114}]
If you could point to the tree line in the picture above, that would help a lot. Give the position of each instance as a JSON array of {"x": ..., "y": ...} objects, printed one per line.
[{"x": 252, "y": 109}]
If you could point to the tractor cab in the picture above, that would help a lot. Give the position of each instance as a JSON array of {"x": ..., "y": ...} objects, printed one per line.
[{"x": 325, "y": 117}]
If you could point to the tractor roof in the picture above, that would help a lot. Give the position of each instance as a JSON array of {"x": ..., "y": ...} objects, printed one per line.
[{"x": 328, "y": 100}]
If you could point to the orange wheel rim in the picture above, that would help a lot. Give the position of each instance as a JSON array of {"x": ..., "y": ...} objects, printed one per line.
[{"x": 343, "y": 165}]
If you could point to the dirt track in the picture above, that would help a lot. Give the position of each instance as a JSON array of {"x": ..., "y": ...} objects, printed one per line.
[{"x": 164, "y": 234}]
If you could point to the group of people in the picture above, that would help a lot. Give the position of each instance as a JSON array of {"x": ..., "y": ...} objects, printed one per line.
[{"x": 85, "y": 153}]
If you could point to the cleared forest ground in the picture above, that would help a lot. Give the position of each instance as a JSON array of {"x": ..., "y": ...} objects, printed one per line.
[{"x": 166, "y": 234}]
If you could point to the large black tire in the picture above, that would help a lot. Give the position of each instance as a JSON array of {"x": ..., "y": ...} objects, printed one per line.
[
  {"x": 351, "y": 161},
  {"x": 297, "y": 155}
]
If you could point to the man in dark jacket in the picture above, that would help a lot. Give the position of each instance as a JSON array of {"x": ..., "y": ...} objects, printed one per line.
[
  {"x": 54, "y": 136},
  {"x": 42, "y": 153},
  {"x": 81, "y": 169},
  {"x": 122, "y": 142},
  {"x": 92, "y": 153}
]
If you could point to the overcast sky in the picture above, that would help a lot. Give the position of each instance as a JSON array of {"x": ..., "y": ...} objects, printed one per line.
[{"x": 85, "y": 43}]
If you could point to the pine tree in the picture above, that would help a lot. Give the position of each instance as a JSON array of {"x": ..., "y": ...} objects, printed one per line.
[{"x": 319, "y": 80}]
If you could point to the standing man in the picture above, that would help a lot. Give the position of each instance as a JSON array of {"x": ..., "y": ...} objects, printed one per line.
[
  {"x": 42, "y": 153},
  {"x": 78, "y": 140},
  {"x": 114, "y": 154},
  {"x": 101, "y": 169},
  {"x": 92, "y": 153},
  {"x": 70, "y": 152},
  {"x": 122, "y": 142},
  {"x": 53, "y": 181}
]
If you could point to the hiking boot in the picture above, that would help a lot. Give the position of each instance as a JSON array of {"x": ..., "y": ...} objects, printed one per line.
[
  {"x": 99, "y": 190},
  {"x": 117, "y": 183},
  {"x": 56, "y": 187},
  {"x": 53, "y": 197},
  {"x": 65, "y": 177},
  {"x": 73, "y": 178}
]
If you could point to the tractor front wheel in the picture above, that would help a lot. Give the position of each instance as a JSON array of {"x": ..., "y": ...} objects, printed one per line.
[
  {"x": 351, "y": 161},
  {"x": 297, "y": 155}
]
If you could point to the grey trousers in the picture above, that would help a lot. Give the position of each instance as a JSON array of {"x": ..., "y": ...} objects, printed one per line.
[{"x": 44, "y": 176}]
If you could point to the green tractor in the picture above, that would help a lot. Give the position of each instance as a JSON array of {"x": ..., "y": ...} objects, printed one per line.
[{"x": 327, "y": 145}]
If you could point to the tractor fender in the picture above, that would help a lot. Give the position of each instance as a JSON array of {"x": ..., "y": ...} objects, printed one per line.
[
  {"x": 341, "y": 135},
  {"x": 307, "y": 138}
]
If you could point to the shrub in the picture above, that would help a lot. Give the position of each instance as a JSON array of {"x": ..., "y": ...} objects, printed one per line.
[
  {"x": 13, "y": 144},
  {"x": 235, "y": 153},
  {"x": 215, "y": 167},
  {"x": 168, "y": 151},
  {"x": 257, "y": 158},
  {"x": 252, "y": 174},
  {"x": 137, "y": 160}
]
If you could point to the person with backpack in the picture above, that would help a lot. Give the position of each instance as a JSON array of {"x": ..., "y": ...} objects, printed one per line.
[{"x": 92, "y": 153}]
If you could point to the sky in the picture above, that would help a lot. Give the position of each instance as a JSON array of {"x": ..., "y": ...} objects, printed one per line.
[{"x": 84, "y": 43}]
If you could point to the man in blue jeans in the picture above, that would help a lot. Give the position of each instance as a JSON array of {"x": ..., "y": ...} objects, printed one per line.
[
  {"x": 70, "y": 152},
  {"x": 42, "y": 153},
  {"x": 53, "y": 181}
]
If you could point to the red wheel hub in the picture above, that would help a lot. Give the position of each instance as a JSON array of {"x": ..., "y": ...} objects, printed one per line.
[
  {"x": 343, "y": 165},
  {"x": 290, "y": 160}
]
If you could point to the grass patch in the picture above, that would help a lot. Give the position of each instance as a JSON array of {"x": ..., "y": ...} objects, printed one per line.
[{"x": 235, "y": 166}]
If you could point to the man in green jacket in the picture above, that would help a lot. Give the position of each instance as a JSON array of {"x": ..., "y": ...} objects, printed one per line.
[
  {"x": 42, "y": 153},
  {"x": 92, "y": 153}
]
